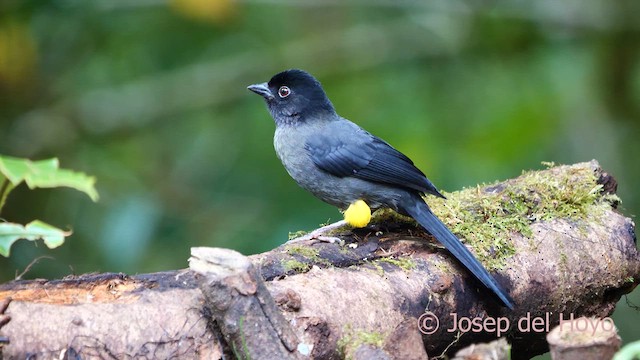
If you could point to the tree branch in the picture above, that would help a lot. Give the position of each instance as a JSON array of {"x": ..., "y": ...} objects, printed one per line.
[{"x": 574, "y": 255}]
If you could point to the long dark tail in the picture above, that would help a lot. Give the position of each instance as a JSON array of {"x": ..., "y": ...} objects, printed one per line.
[{"x": 420, "y": 211}]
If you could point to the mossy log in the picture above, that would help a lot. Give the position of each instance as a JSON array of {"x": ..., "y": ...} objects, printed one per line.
[{"x": 552, "y": 237}]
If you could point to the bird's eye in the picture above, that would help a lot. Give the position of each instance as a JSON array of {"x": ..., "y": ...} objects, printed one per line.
[{"x": 284, "y": 91}]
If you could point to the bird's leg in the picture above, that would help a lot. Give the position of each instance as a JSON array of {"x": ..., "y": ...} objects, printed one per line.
[
  {"x": 357, "y": 215},
  {"x": 318, "y": 234}
]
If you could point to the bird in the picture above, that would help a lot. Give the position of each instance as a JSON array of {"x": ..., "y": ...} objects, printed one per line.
[{"x": 344, "y": 165}]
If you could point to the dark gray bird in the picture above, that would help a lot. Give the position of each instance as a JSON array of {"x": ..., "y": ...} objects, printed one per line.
[{"x": 341, "y": 163}]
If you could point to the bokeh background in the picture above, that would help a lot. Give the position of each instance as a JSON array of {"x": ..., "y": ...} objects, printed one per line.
[{"x": 150, "y": 97}]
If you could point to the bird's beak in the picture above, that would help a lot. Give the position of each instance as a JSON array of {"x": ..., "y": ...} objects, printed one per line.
[{"x": 262, "y": 90}]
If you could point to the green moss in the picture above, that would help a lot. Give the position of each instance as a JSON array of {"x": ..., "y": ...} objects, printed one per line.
[
  {"x": 486, "y": 217},
  {"x": 305, "y": 251},
  {"x": 563, "y": 264},
  {"x": 309, "y": 253},
  {"x": 295, "y": 265},
  {"x": 352, "y": 339},
  {"x": 388, "y": 215},
  {"x": 442, "y": 266},
  {"x": 563, "y": 260},
  {"x": 373, "y": 338},
  {"x": 374, "y": 266},
  {"x": 563, "y": 254},
  {"x": 345, "y": 249},
  {"x": 404, "y": 263}
]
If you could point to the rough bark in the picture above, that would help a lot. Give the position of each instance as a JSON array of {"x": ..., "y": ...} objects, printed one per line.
[
  {"x": 584, "y": 339},
  {"x": 495, "y": 350},
  {"x": 353, "y": 299},
  {"x": 244, "y": 310}
]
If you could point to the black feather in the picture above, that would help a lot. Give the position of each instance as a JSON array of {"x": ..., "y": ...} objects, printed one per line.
[
  {"x": 420, "y": 211},
  {"x": 362, "y": 155}
]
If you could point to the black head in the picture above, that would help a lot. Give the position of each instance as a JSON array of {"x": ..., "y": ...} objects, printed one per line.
[{"x": 293, "y": 95}]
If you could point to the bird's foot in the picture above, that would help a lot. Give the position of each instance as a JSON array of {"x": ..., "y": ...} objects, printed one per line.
[{"x": 318, "y": 234}]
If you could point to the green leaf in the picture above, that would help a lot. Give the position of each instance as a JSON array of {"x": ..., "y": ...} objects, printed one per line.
[
  {"x": 630, "y": 351},
  {"x": 45, "y": 174},
  {"x": 5, "y": 188},
  {"x": 15, "y": 169},
  {"x": 35, "y": 230}
]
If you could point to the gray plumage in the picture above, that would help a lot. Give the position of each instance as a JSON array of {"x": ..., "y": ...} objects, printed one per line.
[{"x": 339, "y": 162}]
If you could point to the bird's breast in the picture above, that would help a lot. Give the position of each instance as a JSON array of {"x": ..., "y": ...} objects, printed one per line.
[
  {"x": 289, "y": 144},
  {"x": 290, "y": 148}
]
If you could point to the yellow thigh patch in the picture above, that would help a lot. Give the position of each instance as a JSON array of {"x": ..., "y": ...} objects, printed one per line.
[{"x": 358, "y": 214}]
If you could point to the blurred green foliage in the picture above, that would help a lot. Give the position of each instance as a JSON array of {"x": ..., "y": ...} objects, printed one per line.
[
  {"x": 37, "y": 174},
  {"x": 149, "y": 96}
]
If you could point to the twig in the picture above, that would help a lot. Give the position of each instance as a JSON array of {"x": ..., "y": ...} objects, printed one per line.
[{"x": 31, "y": 264}]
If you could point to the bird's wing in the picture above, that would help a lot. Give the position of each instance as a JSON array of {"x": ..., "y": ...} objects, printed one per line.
[{"x": 351, "y": 151}]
